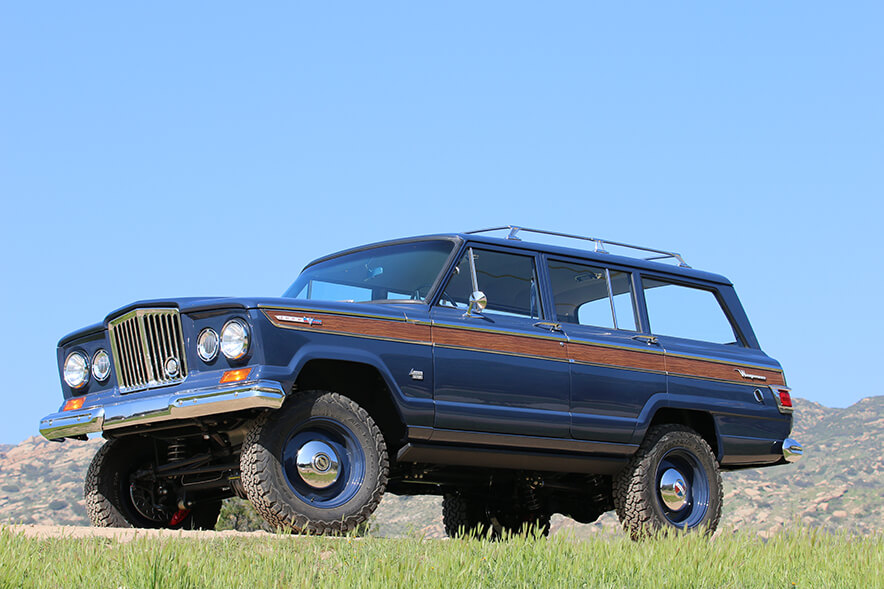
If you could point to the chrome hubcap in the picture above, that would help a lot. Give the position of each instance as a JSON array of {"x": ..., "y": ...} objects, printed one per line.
[
  {"x": 318, "y": 464},
  {"x": 673, "y": 490}
]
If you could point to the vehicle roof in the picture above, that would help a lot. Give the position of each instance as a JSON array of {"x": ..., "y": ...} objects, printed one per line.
[{"x": 586, "y": 254}]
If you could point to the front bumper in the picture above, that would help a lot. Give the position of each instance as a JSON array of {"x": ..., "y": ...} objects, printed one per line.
[{"x": 260, "y": 394}]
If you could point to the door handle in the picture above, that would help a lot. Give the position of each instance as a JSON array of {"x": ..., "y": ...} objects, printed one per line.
[
  {"x": 550, "y": 325},
  {"x": 648, "y": 339}
]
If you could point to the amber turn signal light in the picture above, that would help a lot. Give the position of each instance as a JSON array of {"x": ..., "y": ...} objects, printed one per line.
[
  {"x": 235, "y": 375},
  {"x": 73, "y": 404}
]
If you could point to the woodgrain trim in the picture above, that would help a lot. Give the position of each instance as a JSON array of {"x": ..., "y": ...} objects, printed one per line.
[
  {"x": 391, "y": 329},
  {"x": 721, "y": 371},
  {"x": 495, "y": 342},
  {"x": 522, "y": 345},
  {"x": 618, "y": 357}
]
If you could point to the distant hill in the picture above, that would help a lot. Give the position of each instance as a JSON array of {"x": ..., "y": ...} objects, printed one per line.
[{"x": 839, "y": 484}]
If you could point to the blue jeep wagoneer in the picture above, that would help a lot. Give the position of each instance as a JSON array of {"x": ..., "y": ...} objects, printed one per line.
[{"x": 513, "y": 378}]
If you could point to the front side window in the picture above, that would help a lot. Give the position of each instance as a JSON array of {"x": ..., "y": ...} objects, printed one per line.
[
  {"x": 509, "y": 282},
  {"x": 401, "y": 272},
  {"x": 589, "y": 295},
  {"x": 686, "y": 312}
]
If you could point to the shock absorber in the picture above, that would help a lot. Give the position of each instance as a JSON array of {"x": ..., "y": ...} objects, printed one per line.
[
  {"x": 176, "y": 451},
  {"x": 529, "y": 497}
]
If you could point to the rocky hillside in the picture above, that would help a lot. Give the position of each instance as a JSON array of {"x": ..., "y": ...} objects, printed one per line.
[{"x": 838, "y": 485}]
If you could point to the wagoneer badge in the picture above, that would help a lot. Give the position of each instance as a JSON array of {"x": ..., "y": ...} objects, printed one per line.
[{"x": 750, "y": 376}]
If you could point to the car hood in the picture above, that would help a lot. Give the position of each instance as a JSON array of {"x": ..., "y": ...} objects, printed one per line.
[{"x": 197, "y": 304}]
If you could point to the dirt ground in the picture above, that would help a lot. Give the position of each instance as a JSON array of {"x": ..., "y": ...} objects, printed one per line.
[{"x": 124, "y": 534}]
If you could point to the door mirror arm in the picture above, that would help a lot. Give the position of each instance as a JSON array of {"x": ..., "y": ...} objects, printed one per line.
[{"x": 478, "y": 300}]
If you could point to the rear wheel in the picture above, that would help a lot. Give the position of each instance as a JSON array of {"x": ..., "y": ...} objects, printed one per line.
[
  {"x": 471, "y": 515},
  {"x": 463, "y": 516},
  {"x": 116, "y": 498},
  {"x": 317, "y": 465},
  {"x": 673, "y": 481}
]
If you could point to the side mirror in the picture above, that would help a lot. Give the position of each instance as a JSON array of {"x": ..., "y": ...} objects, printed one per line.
[{"x": 478, "y": 302}]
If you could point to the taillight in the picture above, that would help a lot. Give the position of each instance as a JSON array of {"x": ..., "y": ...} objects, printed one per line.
[{"x": 783, "y": 398}]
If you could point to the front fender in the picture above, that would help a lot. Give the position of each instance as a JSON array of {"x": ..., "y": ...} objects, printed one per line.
[{"x": 414, "y": 410}]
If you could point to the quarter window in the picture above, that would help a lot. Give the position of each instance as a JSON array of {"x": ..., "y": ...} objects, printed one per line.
[
  {"x": 590, "y": 295},
  {"x": 686, "y": 312},
  {"x": 509, "y": 282}
]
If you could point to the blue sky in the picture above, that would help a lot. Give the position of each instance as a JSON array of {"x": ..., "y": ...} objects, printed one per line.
[{"x": 183, "y": 149}]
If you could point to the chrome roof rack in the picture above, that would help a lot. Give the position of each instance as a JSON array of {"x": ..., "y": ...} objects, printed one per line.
[{"x": 599, "y": 243}]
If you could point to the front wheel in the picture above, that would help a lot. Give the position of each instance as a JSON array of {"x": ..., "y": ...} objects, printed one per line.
[
  {"x": 116, "y": 497},
  {"x": 673, "y": 481},
  {"x": 317, "y": 465}
]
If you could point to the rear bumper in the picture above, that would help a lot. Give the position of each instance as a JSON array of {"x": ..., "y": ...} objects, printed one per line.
[
  {"x": 744, "y": 452},
  {"x": 261, "y": 394}
]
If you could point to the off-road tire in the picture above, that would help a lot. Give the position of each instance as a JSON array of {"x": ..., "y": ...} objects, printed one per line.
[
  {"x": 265, "y": 481},
  {"x": 636, "y": 496},
  {"x": 107, "y": 504},
  {"x": 463, "y": 516}
]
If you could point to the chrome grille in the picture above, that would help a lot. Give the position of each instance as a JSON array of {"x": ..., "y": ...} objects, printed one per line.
[{"x": 142, "y": 343}]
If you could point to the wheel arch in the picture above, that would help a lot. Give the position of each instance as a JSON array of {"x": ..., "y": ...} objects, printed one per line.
[
  {"x": 362, "y": 381},
  {"x": 701, "y": 422}
]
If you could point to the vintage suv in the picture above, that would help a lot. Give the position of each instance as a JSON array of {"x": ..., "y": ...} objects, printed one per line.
[{"x": 515, "y": 379}]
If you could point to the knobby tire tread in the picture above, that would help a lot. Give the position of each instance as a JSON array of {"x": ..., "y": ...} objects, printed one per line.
[
  {"x": 635, "y": 512},
  {"x": 266, "y": 494}
]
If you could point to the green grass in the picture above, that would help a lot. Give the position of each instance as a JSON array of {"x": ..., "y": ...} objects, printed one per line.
[{"x": 793, "y": 559}]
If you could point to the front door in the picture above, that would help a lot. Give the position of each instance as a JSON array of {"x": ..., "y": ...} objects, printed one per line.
[{"x": 502, "y": 371}]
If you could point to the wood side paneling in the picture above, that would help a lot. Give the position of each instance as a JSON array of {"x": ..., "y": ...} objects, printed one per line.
[
  {"x": 721, "y": 371},
  {"x": 382, "y": 328},
  {"x": 521, "y": 345},
  {"x": 616, "y": 357},
  {"x": 496, "y": 342}
]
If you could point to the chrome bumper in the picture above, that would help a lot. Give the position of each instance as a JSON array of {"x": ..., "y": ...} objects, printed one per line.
[
  {"x": 792, "y": 450},
  {"x": 182, "y": 405}
]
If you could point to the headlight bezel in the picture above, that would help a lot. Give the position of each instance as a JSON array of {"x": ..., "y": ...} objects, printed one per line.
[
  {"x": 85, "y": 369},
  {"x": 100, "y": 377},
  {"x": 207, "y": 332},
  {"x": 245, "y": 337}
]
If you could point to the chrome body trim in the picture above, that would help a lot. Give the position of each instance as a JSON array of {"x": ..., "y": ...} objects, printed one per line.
[
  {"x": 775, "y": 391},
  {"x": 142, "y": 341},
  {"x": 262, "y": 394},
  {"x": 792, "y": 450}
]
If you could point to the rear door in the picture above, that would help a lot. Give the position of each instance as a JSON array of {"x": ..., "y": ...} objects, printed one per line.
[
  {"x": 502, "y": 371},
  {"x": 616, "y": 369}
]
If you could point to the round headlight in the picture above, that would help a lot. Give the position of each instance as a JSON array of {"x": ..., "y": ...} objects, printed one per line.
[
  {"x": 235, "y": 339},
  {"x": 207, "y": 345},
  {"x": 76, "y": 370},
  {"x": 101, "y": 365}
]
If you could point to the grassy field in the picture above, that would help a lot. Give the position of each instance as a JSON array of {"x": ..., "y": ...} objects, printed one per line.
[{"x": 797, "y": 559}]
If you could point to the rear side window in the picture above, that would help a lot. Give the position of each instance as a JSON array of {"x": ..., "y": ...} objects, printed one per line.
[
  {"x": 590, "y": 295},
  {"x": 509, "y": 282},
  {"x": 686, "y": 312}
]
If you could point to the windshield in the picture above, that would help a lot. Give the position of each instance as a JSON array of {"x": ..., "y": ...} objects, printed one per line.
[{"x": 403, "y": 272}]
